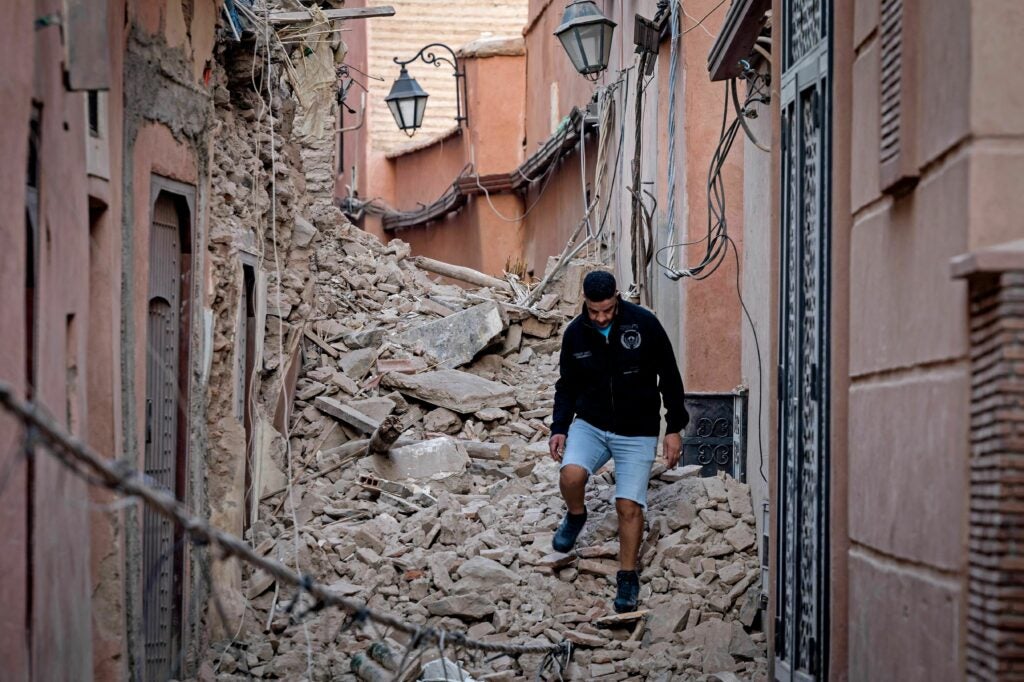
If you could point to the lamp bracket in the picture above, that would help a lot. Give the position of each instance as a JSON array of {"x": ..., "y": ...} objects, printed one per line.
[{"x": 428, "y": 55}]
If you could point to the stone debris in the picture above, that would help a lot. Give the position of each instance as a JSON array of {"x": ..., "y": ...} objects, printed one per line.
[
  {"x": 429, "y": 459},
  {"x": 452, "y": 528},
  {"x": 456, "y": 339},
  {"x": 460, "y": 392}
]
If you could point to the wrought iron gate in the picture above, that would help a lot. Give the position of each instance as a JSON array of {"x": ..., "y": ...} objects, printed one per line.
[
  {"x": 716, "y": 437},
  {"x": 801, "y": 583}
]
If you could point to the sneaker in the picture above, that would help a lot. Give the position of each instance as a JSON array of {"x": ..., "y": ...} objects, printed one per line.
[
  {"x": 568, "y": 531},
  {"x": 629, "y": 591}
]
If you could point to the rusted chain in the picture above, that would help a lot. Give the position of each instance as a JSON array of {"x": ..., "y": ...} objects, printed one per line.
[{"x": 97, "y": 470}]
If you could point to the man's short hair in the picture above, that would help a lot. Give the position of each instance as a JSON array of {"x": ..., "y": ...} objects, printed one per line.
[{"x": 599, "y": 285}]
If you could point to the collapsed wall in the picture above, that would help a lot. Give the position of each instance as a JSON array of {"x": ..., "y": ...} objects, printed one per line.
[{"x": 272, "y": 190}]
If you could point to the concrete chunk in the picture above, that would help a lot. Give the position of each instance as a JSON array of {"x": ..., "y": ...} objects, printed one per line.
[
  {"x": 679, "y": 473},
  {"x": 429, "y": 459},
  {"x": 458, "y": 391},
  {"x": 473, "y": 606},
  {"x": 740, "y": 536},
  {"x": 303, "y": 232},
  {"x": 716, "y": 489},
  {"x": 357, "y": 363},
  {"x": 487, "y": 572},
  {"x": 718, "y": 520},
  {"x": 374, "y": 408},
  {"x": 534, "y": 327},
  {"x": 454, "y": 340},
  {"x": 739, "y": 497}
]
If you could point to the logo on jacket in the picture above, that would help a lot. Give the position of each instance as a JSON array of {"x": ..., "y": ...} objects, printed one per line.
[{"x": 630, "y": 339}]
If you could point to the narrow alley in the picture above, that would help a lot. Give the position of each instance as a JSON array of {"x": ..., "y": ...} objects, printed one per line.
[{"x": 511, "y": 340}]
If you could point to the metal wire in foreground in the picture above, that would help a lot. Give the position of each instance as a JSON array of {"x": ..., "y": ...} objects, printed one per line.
[{"x": 91, "y": 466}]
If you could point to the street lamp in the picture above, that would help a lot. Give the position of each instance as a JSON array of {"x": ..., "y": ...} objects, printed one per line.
[
  {"x": 586, "y": 35},
  {"x": 407, "y": 100}
]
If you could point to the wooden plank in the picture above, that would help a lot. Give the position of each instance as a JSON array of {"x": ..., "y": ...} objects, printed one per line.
[
  {"x": 346, "y": 414},
  {"x": 499, "y": 452},
  {"x": 620, "y": 619},
  {"x": 333, "y": 14},
  {"x": 460, "y": 273},
  {"x": 330, "y": 350},
  {"x": 401, "y": 365},
  {"x": 286, "y": 396}
]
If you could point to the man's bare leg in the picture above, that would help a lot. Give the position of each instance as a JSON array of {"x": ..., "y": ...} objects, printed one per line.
[
  {"x": 631, "y": 527},
  {"x": 572, "y": 480}
]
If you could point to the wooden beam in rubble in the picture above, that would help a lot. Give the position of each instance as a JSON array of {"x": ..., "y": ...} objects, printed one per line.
[{"x": 333, "y": 14}]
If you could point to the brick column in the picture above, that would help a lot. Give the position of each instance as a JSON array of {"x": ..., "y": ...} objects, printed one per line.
[{"x": 995, "y": 608}]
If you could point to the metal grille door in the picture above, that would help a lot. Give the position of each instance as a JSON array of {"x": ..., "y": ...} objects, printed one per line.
[
  {"x": 162, "y": 402},
  {"x": 801, "y": 625}
]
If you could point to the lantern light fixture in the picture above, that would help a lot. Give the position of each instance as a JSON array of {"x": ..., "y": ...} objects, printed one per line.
[
  {"x": 586, "y": 35},
  {"x": 408, "y": 101}
]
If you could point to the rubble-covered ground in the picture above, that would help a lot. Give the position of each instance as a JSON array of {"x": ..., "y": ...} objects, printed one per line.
[{"x": 450, "y": 532}]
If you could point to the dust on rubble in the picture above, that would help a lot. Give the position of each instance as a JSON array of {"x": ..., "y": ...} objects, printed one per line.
[{"x": 453, "y": 528}]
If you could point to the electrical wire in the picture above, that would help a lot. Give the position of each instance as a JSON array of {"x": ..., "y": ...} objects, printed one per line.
[
  {"x": 704, "y": 18},
  {"x": 587, "y": 209},
  {"x": 547, "y": 179},
  {"x": 571, "y": 248},
  {"x": 698, "y": 23},
  {"x": 282, "y": 368},
  {"x": 717, "y": 225},
  {"x": 741, "y": 116},
  {"x": 760, "y": 368}
]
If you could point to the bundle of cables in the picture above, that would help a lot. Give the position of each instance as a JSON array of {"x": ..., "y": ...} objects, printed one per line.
[{"x": 717, "y": 237}]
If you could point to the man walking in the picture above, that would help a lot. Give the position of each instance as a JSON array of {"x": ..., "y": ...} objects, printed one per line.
[{"x": 616, "y": 359}]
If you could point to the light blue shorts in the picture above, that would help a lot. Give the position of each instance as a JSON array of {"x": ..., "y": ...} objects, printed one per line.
[{"x": 591, "y": 448}]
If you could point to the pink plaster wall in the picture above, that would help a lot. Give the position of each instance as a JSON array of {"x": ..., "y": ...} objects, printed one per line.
[
  {"x": 63, "y": 601},
  {"x": 103, "y": 376},
  {"x": 355, "y": 147},
  {"x": 556, "y": 206},
  {"x": 422, "y": 176},
  {"x": 16, "y": 41},
  {"x": 547, "y": 63},
  {"x": 712, "y": 336},
  {"x": 45, "y": 592},
  {"x": 909, "y": 377}
]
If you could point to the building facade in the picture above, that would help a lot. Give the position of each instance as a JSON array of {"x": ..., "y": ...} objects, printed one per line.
[
  {"x": 877, "y": 283},
  {"x": 154, "y": 268},
  {"x": 104, "y": 280}
]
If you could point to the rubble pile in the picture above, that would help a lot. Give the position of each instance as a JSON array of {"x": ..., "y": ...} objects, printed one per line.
[{"x": 452, "y": 528}]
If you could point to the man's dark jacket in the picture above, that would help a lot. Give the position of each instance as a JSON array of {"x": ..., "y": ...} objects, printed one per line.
[{"x": 614, "y": 383}]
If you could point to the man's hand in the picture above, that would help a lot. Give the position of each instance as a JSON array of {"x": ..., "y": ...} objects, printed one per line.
[
  {"x": 556, "y": 446},
  {"x": 672, "y": 447}
]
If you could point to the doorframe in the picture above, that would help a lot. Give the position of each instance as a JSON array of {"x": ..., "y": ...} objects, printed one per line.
[
  {"x": 813, "y": 69},
  {"x": 250, "y": 261},
  {"x": 185, "y": 198}
]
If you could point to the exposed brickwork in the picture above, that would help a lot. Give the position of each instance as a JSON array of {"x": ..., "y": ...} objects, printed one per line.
[{"x": 995, "y": 614}]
